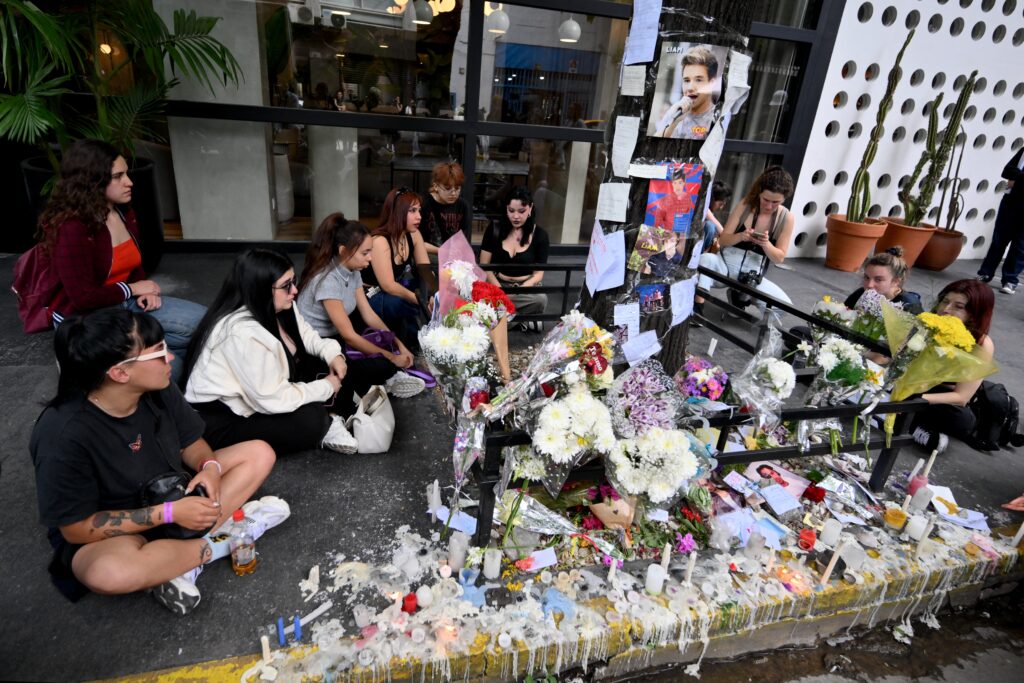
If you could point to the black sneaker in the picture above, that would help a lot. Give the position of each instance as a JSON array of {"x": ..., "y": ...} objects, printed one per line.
[
  {"x": 930, "y": 441},
  {"x": 180, "y": 594},
  {"x": 984, "y": 278}
]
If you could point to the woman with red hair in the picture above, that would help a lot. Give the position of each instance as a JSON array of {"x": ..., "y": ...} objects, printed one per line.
[
  {"x": 972, "y": 302},
  {"x": 399, "y": 264}
]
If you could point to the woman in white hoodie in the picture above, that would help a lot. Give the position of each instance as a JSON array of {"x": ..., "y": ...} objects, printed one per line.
[{"x": 257, "y": 370}]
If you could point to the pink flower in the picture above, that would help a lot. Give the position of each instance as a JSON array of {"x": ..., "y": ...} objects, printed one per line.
[
  {"x": 592, "y": 523},
  {"x": 685, "y": 544},
  {"x": 608, "y": 559}
]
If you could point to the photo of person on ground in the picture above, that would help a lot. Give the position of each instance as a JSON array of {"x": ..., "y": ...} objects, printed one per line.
[{"x": 687, "y": 91}]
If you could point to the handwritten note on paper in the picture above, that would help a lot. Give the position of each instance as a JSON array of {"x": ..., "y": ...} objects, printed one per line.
[
  {"x": 711, "y": 149},
  {"x": 626, "y": 130},
  {"x": 612, "y": 200},
  {"x": 461, "y": 522},
  {"x": 633, "y": 78},
  {"x": 641, "y": 347},
  {"x": 542, "y": 559},
  {"x": 643, "y": 32},
  {"x": 681, "y": 294},
  {"x": 737, "y": 87},
  {"x": 652, "y": 171},
  {"x": 779, "y": 501},
  {"x": 628, "y": 316},
  {"x": 606, "y": 262}
]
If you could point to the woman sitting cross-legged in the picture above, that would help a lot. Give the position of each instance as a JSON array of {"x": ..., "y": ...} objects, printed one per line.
[
  {"x": 333, "y": 301},
  {"x": 400, "y": 264},
  {"x": 257, "y": 370},
  {"x": 117, "y": 423}
]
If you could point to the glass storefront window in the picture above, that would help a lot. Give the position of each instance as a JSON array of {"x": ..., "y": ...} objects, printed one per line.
[
  {"x": 798, "y": 13},
  {"x": 360, "y": 56},
  {"x": 739, "y": 170},
  {"x": 777, "y": 73},
  {"x": 530, "y": 73},
  {"x": 562, "y": 176}
]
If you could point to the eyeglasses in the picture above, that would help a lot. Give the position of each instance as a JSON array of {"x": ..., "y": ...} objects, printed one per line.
[
  {"x": 450, "y": 190},
  {"x": 162, "y": 352},
  {"x": 287, "y": 285}
]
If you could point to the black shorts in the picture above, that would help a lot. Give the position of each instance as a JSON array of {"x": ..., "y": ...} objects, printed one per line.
[{"x": 62, "y": 575}]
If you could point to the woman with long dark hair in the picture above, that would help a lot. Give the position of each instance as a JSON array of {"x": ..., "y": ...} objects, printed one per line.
[
  {"x": 89, "y": 230},
  {"x": 973, "y": 303},
  {"x": 257, "y": 370},
  {"x": 512, "y": 244},
  {"x": 399, "y": 265},
  {"x": 116, "y": 423},
  {"x": 756, "y": 234},
  {"x": 333, "y": 302}
]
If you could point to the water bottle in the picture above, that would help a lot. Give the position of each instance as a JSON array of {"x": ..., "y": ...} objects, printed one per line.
[{"x": 243, "y": 545}]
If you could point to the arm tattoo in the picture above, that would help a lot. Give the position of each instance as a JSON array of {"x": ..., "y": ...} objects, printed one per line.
[
  {"x": 205, "y": 553},
  {"x": 104, "y": 521}
]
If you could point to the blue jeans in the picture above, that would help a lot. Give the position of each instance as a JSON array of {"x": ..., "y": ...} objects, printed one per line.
[
  {"x": 1006, "y": 233},
  {"x": 179, "y": 318},
  {"x": 399, "y": 315}
]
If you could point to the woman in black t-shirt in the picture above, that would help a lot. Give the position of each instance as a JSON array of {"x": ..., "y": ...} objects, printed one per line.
[
  {"x": 444, "y": 211},
  {"x": 116, "y": 423},
  {"x": 514, "y": 243}
]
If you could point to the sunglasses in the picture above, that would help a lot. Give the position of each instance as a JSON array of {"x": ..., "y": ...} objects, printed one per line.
[
  {"x": 286, "y": 286},
  {"x": 162, "y": 352}
]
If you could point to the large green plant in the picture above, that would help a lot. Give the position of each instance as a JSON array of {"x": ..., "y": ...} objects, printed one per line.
[
  {"x": 935, "y": 156},
  {"x": 860, "y": 191},
  {"x": 44, "y": 58}
]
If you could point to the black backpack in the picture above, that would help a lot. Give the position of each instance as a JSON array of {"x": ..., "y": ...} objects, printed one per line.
[{"x": 997, "y": 416}]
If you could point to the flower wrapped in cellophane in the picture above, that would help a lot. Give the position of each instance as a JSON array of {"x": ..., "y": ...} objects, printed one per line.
[
  {"x": 701, "y": 379},
  {"x": 834, "y": 310},
  {"x": 456, "y": 348},
  {"x": 929, "y": 349},
  {"x": 869, "y": 321},
  {"x": 568, "y": 431},
  {"x": 655, "y": 466},
  {"x": 641, "y": 398},
  {"x": 766, "y": 382},
  {"x": 575, "y": 350}
]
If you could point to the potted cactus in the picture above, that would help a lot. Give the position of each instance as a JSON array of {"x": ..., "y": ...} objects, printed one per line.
[
  {"x": 850, "y": 238},
  {"x": 945, "y": 244},
  {"x": 911, "y": 232}
]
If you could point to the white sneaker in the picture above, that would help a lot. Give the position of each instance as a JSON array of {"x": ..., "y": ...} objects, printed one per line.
[
  {"x": 180, "y": 595},
  {"x": 404, "y": 385},
  {"x": 266, "y": 513},
  {"x": 338, "y": 439}
]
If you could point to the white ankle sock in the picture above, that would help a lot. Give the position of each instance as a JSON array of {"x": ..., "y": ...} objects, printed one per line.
[{"x": 218, "y": 549}]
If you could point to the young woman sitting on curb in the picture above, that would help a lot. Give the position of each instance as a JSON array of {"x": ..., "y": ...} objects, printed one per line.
[
  {"x": 333, "y": 302},
  {"x": 257, "y": 370},
  {"x": 116, "y": 423}
]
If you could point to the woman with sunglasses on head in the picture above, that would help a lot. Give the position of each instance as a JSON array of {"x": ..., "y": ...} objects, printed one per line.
[
  {"x": 445, "y": 212},
  {"x": 116, "y": 424},
  {"x": 257, "y": 370},
  {"x": 399, "y": 265},
  {"x": 333, "y": 301},
  {"x": 948, "y": 415},
  {"x": 89, "y": 230},
  {"x": 514, "y": 242},
  {"x": 756, "y": 234}
]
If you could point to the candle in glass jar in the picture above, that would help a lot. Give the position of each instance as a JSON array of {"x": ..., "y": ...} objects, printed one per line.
[
  {"x": 655, "y": 579},
  {"x": 830, "y": 532}
]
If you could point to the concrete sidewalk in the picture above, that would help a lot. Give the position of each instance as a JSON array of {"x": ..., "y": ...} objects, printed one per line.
[{"x": 347, "y": 505}]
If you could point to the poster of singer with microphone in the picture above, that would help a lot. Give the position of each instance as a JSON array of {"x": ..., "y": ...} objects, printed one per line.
[{"x": 687, "y": 92}]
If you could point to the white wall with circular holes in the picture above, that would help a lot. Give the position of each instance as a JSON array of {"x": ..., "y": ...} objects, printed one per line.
[{"x": 953, "y": 38}]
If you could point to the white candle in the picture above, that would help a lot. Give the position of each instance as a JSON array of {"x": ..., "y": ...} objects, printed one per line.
[
  {"x": 434, "y": 498},
  {"x": 1020, "y": 534},
  {"x": 921, "y": 498},
  {"x": 906, "y": 503},
  {"x": 424, "y": 596},
  {"x": 830, "y": 532},
  {"x": 771, "y": 560},
  {"x": 917, "y": 467},
  {"x": 689, "y": 567},
  {"x": 456, "y": 557},
  {"x": 831, "y": 565},
  {"x": 916, "y": 526},
  {"x": 611, "y": 571},
  {"x": 931, "y": 461},
  {"x": 665, "y": 555},
  {"x": 419, "y": 634},
  {"x": 492, "y": 563},
  {"x": 924, "y": 539},
  {"x": 655, "y": 579},
  {"x": 265, "y": 644}
]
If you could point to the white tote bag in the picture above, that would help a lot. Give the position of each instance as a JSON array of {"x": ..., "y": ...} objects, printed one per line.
[{"x": 373, "y": 424}]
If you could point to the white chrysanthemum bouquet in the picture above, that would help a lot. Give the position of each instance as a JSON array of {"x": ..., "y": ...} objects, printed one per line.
[
  {"x": 573, "y": 426},
  {"x": 776, "y": 376},
  {"x": 654, "y": 466}
]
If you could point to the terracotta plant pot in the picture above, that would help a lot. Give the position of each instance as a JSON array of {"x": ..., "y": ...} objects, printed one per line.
[
  {"x": 942, "y": 250},
  {"x": 849, "y": 243},
  {"x": 912, "y": 239}
]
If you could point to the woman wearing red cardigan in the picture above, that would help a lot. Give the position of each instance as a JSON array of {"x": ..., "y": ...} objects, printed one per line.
[{"x": 90, "y": 232}]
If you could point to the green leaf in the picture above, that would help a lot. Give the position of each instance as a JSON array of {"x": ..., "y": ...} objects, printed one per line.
[{"x": 27, "y": 116}]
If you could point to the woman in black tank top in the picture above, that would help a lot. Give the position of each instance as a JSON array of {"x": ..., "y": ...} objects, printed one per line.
[{"x": 399, "y": 264}]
